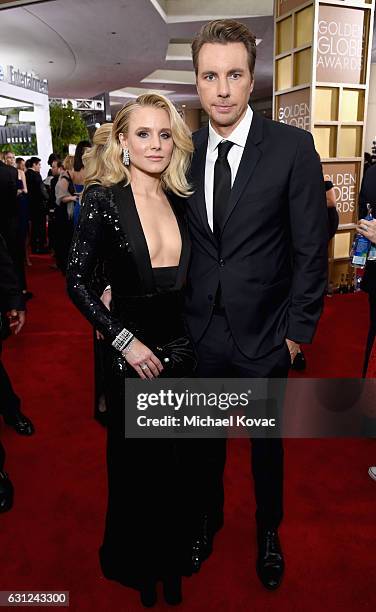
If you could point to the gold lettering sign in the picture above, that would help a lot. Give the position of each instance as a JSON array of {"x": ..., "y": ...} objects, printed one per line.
[
  {"x": 294, "y": 109},
  {"x": 345, "y": 178},
  {"x": 340, "y": 45}
]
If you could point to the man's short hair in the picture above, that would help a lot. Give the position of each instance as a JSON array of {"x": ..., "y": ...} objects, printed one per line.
[
  {"x": 52, "y": 157},
  {"x": 225, "y": 31},
  {"x": 34, "y": 160},
  {"x": 19, "y": 160}
]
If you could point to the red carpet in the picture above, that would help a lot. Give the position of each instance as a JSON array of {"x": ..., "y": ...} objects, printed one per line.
[{"x": 50, "y": 538}]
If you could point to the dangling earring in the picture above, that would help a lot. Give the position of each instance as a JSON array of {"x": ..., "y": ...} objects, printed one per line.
[{"x": 125, "y": 157}]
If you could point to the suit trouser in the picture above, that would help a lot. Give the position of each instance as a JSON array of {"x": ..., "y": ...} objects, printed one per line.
[
  {"x": 8, "y": 398},
  {"x": 16, "y": 247},
  {"x": 2, "y": 457},
  {"x": 219, "y": 356},
  {"x": 38, "y": 237}
]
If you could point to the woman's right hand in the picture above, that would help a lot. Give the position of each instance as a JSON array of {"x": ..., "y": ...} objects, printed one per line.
[{"x": 143, "y": 360}]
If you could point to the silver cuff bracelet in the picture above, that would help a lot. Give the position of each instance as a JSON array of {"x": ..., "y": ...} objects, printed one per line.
[{"x": 122, "y": 340}]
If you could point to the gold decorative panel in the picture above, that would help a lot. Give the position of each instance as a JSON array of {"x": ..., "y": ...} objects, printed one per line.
[
  {"x": 284, "y": 35},
  {"x": 284, "y": 6},
  {"x": 303, "y": 67},
  {"x": 284, "y": 73},
  {"x": 350, "y": 141},
  {"x": 352, "y": 106},
  {"x": 326, "y": 107},
  {"x": 342, "y": 245},
  {"x": 325, "y": 141},
  {"x": 304, "y": 27}
]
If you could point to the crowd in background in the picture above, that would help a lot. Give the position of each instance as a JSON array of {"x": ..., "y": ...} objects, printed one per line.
[{"x": 40, "y": 215}]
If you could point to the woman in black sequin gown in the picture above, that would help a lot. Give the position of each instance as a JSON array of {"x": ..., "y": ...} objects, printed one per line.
[{"x": 133, "y": 223}]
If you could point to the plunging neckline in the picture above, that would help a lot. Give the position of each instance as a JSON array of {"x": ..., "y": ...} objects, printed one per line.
[
  {"x": 142, "y": 236},
  {"x": 135, "y": 237}
]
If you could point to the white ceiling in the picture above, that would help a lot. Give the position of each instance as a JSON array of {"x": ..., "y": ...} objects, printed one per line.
[{"x": 87, "y": 47}]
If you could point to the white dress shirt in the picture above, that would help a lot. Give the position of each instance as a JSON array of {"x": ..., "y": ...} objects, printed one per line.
[{"x": 238, "y": 137}]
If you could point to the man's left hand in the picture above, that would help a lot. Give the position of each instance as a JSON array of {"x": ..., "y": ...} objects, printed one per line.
[
  {"x": 293, "y": 347},
  {"x": 16, "y": 320},
  {"x": 367, "y": 229}
]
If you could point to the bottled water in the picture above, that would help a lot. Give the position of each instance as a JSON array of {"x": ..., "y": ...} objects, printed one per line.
[{"x": 361, "y": 246}]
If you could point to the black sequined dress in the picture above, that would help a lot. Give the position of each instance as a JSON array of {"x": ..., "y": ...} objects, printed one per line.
[{"x": 148, "y": 523}]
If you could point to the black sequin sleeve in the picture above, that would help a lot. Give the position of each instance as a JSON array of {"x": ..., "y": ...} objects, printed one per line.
[{"x": 87, "y": 251}]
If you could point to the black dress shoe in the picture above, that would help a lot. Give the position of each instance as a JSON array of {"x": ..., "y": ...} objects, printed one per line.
[
  {"x": 20, "y": 423},
  {"x": 172, "y": 590},
  {"x": 148, "y": 594},
  {"x": 6, "y": 492},
  {"x": 270, "y": 563}
]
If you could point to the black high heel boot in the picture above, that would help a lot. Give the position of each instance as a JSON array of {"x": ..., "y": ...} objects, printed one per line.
[
  {"x": 172, "y": 590},
  {"x": 148, "y": 594}
]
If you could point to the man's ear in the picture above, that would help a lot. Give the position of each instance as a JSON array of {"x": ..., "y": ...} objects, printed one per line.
[{"x": 252, "y": 86}]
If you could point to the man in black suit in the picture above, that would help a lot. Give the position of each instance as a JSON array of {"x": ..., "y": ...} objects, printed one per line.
[
  {"x": 37, "y": 198},
  {"x": 368, "y": 196},
  {"x": 368, "y": 191},
  {"x": 8, "y": 195},
  {"x": 259, "y": 230},
  {"x": 10, "y": 226},
  {"x": 11, "y": 303}
]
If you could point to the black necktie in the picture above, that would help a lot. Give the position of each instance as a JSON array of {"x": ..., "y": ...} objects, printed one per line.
[{"x": 222, "y": 186}]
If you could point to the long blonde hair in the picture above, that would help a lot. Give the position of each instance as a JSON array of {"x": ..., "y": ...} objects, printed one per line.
[
  {"x": 174, "y": 177},
  {"x": 95, "y": 160}
]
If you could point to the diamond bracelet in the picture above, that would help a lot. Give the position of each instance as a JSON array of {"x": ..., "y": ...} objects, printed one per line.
[{"x": 122, "y": 340}]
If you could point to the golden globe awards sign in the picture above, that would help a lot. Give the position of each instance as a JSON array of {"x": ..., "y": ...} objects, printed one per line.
[
  {"x": 294, "y": 109},
  {"x": 345, "y": 178},
  {"x": 340, "y": 45}
]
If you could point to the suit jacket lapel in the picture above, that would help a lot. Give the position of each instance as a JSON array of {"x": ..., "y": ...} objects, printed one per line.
[
  {"x": 248, "y": 163},
  {"x": 177, "y": 207},
  {"x": 132, "y": 228}
]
